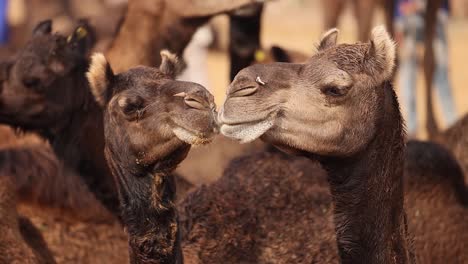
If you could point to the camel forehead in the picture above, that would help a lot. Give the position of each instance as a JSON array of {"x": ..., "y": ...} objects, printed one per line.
[
  {"x": 347, "y": 57},
  {"x": 140, "y": 77},
  {"x": 43, "y": 45}
]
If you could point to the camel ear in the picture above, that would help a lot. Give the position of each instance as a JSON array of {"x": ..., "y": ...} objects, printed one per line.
[
  {"x": 83, "y": 37},
  {"x": 170, "y": 64},
  {"x": 279, "y": 54},
  {"x": 43, "y": 28},
  {"x": 328, "y": 39},
  {"x": 100, "y": 77},
  {"x": 382, "y": 53}
]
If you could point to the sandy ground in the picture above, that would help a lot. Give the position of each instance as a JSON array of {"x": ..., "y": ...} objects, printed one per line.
[{"x": 298, "y": 25}]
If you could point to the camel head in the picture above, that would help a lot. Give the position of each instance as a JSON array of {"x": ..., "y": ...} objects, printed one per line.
[
  {"x": 38, "y": 85},
  {"x": 326, "y": 106},
  {"x": 148, "y": 114}
]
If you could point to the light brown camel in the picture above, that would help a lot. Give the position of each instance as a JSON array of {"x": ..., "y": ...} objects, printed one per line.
[
  {"x": 354, "y": 128},
  {"x": 432, "y": 179}
]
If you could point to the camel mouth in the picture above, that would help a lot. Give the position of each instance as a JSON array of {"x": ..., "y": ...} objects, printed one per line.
[
  {"x": 247, "y": 131},
  {"x": 192, "y": 137}
]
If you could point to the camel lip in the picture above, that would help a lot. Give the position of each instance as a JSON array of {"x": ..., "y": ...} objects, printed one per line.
[
  {"x": 248, "y": 131},
  {"x": 222, "y": 120},
  {"x": 193, "y": 137}
]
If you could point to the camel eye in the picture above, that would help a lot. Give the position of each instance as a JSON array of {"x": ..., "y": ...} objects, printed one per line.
[
  {"x": 334, "y": 91},
  {"x": 131, "y": 105},
  {"x": 245, "y": 91}
]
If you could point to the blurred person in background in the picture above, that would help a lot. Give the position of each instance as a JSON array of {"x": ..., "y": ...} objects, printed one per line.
[
  {"x": 409, "y": 30},
  {"x": 3, "y": 22}
]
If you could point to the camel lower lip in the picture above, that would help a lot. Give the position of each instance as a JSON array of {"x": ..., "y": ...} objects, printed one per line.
[
  {"x": 190, "y": 137},
  {"x": 246, "y": 132}
]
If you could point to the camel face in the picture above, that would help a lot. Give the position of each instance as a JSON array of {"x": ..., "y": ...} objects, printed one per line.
[
  {"x": 149, "y": 112},
  {"x": 325, "y": 106},
  {"x": 34, "y": 91}
]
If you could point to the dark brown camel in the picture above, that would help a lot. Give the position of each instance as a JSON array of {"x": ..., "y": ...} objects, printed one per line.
[
  {"x": 150, "y": 122},
  {"x": 44, "y": 90}
]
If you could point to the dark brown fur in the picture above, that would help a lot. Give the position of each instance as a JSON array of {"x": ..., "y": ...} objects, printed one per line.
[
  {"x": 20, "y": 241},
  {"x": 455, "y": 138},
  {"x": 41, "y": 179},
  {"x": 436, "y": 202},
  {"x": 266, "y": 208},
  {"x": 45, "y": 91}
]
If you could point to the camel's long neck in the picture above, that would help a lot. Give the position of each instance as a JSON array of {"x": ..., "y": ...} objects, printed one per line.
[
  {"x": 147, "y": 202},
  {"x": 368, "y": 195}
]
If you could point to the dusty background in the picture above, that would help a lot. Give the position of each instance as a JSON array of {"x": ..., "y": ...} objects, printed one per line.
[{"x": 297, "y": 24}]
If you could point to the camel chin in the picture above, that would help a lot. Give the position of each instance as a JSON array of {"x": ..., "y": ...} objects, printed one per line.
[{"x": 247, "y": 132}]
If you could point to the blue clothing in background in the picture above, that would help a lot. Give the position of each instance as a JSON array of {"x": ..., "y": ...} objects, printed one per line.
[
  {"x": 412, "y": 28},
  {"x": 3, "y": 21}
]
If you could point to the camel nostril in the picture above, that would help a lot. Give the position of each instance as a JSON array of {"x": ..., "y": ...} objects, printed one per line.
[{"x": 31, "y": 81}]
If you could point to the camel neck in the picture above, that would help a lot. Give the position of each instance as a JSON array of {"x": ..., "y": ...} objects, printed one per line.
[
  {"x": 78, "y": 140},
  {"x": 368, "y": 194},
  {"x": 147, "y": 204}
]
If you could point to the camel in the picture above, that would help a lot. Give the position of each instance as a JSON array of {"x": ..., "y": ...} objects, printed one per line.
[
  {"x": 360, "y": 179},
  {"x": 248, "y": 86},
  {"x": 150, "y": 122},
  {"x": 45, "y": 91}
]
